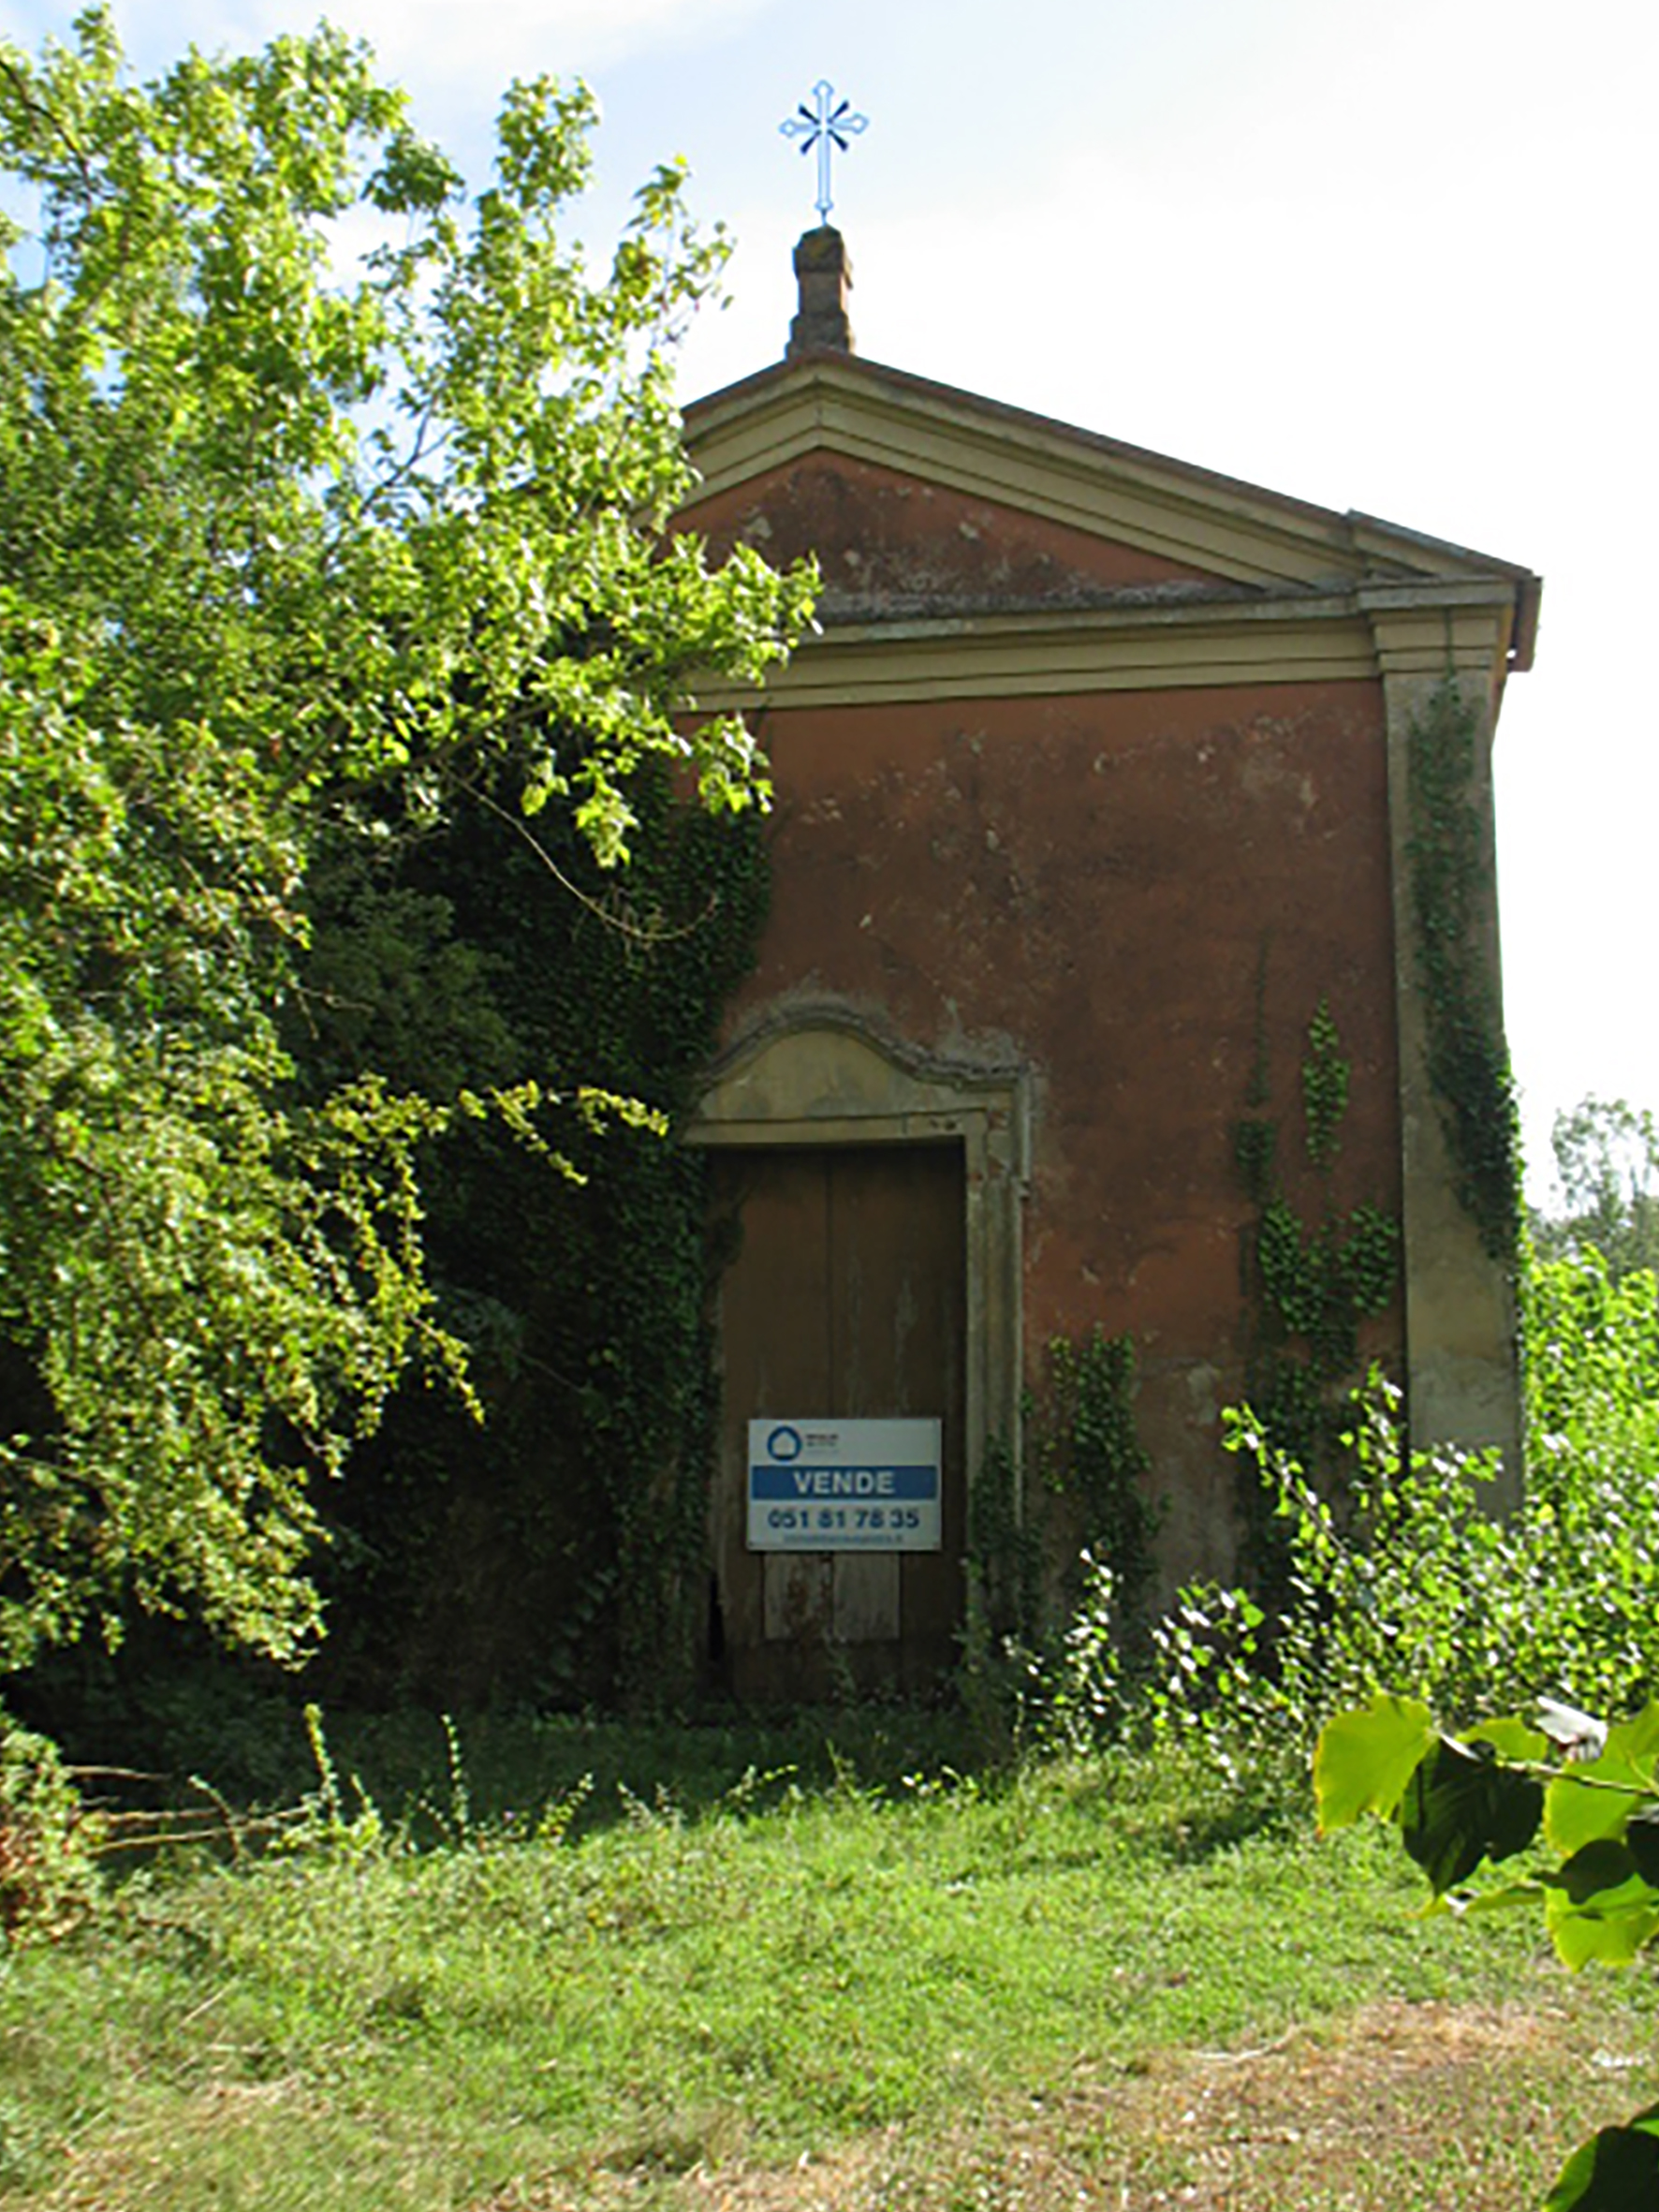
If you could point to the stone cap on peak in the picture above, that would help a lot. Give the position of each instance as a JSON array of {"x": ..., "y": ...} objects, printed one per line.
[{"x": 824, "y": 272}]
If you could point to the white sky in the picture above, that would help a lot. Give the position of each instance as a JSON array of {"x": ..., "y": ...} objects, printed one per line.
[{"x": 1392, "y": 257}]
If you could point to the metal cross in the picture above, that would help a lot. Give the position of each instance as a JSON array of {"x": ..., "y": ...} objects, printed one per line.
[{"x": 824, "y": 126}]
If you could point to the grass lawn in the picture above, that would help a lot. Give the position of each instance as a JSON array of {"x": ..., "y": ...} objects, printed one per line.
[{"x": 825, "y": 1978}]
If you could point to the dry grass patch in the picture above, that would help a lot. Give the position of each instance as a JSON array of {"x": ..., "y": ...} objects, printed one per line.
[
  {"x": 1400, "y": 2108},
  {"x": 248, "y": 2146}
]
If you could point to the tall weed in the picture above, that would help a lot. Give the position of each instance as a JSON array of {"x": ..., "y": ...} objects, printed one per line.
[{"x": 1402, "y": 1575}]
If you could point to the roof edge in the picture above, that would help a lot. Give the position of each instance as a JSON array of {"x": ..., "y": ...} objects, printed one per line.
[{"x": 1412, "y": 549}]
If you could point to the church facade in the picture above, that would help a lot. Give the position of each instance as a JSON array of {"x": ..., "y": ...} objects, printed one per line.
[{"x": 1094, "y": 820}]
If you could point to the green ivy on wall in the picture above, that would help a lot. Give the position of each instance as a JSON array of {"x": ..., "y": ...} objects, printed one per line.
[
  {"x": 1091, "y": 1454},
  {"x": 557, "y": 1554},
  {"x": 1325, "y": 1086},
  {"x": 1309, "y": 1284},
  {"x": 1005, "y": 1551},
  {"x": 1090, "y": 1506},
  {"x": 1451, "y": 878},
  {"x": 1084, "y": 1442}
]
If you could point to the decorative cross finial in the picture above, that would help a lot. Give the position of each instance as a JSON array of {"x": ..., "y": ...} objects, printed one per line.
[{"x": 824, "y": 126}]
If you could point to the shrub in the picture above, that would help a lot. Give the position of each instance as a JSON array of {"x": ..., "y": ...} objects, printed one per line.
[
  {"x": 47, "y": 1839},
  {"x": 1399, "y": 1575}
]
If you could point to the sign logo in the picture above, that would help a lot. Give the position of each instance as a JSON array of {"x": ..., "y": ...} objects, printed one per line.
[{"x": 784, "y": 1442}]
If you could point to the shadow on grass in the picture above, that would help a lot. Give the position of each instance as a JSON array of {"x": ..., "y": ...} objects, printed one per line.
[
  {"x": 1183, "y": 1807},
  {"x": 512, "y": 1765},
  {"x": 242, "y": 1731}
]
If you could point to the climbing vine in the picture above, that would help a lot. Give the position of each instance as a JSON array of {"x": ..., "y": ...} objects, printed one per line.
[
  {"x": 1005, "y": 1551},
  {"x": 1309, "y": 1284},
  {"x": 555, "y": 1555},
  {"x": 1019, "y": 1668},
  {"x": 1091, "y": 1454},
  {"x": 1451, "y": 882},
  {"x": 1325, "y": 1086},
  {"x": 1086, "y": 1444}
]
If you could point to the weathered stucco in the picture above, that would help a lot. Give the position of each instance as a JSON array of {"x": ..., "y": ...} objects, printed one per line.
[
  {"x": 1094, "y": 775},
  {"x": 1461, "y": 1326},
  {"x": 887, "y": 542},
  {"x": 1089, "y": 889}
]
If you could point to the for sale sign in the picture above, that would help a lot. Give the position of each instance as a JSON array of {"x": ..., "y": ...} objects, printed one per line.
[{"x": 836, "y": 1486}]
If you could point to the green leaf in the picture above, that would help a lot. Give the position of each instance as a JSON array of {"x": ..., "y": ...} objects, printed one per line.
[
  {"x": 1642, "y": 1836},
  {"x": 1461, "y": 1806},
  {"x": 1513, "y": 1740},
  {"x": 1577, "y": 1809},
  {"x": 1364, "y": 1760},
  {"x": 1616, "y": 2171},
  {"x": 1600, "y": 1909},
  {"x": 1600, "y": 1865}
]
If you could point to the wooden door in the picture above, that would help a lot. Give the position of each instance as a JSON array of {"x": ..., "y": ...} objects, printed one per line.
[{"x": 845, "y": 1297}]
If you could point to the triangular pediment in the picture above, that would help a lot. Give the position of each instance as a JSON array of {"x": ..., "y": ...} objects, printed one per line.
[
  {"x": 889, "y": 542},
  {"x": 916, "y": 495}
]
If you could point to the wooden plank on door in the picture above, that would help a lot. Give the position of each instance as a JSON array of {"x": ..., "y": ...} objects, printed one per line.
[
  {"x": 800, "y": 1602},
  {"x": 772, "y": 1319},
  {"x": 898, "y": 1318},
  {"x": 864, "y": 1598}
]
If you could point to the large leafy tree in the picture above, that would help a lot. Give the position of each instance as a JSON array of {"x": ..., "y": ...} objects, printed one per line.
[{"x": 300, "y": 540}]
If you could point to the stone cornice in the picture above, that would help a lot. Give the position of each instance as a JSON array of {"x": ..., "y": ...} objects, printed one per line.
[{"x": 1355, "y": 634}]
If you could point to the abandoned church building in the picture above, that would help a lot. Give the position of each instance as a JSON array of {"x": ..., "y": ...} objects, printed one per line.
[{"x": 1109, "y": 802}]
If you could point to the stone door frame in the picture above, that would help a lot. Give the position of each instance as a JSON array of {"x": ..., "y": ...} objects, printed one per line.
[{"x": 822, "y": 1075}]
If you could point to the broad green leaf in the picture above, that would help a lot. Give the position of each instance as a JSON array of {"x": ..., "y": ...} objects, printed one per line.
[
  {"x": 1364, "y": 1760},
  {"x": 1600, "y": 1908},
  {"x": 1511, "y": 1739},
  {"x": 1603, "y": 1864},
  {"x": 1642, "y": 1836},
  {"x": 1578, "y": 1808},
  {"x": 1616, "y": 2171},
  {"x": 1461, "y": 1806}
]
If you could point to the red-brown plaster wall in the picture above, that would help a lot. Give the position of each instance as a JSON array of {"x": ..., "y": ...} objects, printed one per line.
[
  {"x": 880, "y": 534},
  {"x": 1092, "y": 885}
]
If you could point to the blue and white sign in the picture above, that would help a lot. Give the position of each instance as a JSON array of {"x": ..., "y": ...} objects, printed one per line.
[{"x": 844, "y": 1485}]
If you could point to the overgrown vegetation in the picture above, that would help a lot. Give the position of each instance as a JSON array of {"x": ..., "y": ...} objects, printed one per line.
[
  {"x": 947, "y": 1941},
  {"x": 1557, "y": 1619},
  {"x": 306, "y": 578},
  {"x": 1486, "y": 1796},
  {"x": 1394, "y": 1573},
  {"x": 1037, "y": 1663},
  {"x": 737, "y": 1962},
  {"x": 48, "y": 1840},
  {"x": 1390, "y": 1568},
  {"x": 1093, "y": 1459},
  {"x": 1404, "y": 1594},
  {"x": 560, "y": 1559}
]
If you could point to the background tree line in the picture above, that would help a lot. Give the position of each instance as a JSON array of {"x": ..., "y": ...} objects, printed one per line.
[{"x": 1607, "y": 1164}]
